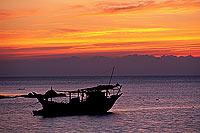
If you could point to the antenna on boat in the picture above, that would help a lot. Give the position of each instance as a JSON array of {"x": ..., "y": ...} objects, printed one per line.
[{"x": 111, "y": 75}]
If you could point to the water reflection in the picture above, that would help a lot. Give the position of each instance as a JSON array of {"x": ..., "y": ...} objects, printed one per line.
[{"x": 176, "y": 110}]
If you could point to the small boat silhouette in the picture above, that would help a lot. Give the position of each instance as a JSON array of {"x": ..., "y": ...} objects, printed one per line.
[{"x": 95, "y": 100}]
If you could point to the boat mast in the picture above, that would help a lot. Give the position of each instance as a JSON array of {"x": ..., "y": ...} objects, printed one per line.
[{"x": 111, "y": 75}]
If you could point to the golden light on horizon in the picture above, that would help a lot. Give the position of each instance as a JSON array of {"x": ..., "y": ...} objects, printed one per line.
[{"x": 85, "y": 27}]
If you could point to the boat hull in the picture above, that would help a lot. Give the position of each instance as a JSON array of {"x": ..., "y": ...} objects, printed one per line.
[{"x": 51, "y": 108}]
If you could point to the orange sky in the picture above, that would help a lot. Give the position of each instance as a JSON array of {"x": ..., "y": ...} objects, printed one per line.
[{"x": 56, "y": 28}]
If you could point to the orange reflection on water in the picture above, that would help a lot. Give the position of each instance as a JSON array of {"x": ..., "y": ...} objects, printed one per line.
[
  {"x": 15, "y": 94},
  {"x": 155, "y": 108}
]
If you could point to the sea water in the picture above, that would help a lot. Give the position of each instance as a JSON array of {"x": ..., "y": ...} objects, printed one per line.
[{"x": 148, "y": 104}]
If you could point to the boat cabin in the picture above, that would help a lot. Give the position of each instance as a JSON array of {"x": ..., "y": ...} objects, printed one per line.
[{"x": 99, "y": 92}]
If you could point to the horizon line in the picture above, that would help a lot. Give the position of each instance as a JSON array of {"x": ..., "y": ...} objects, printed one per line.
[
  {"x": 93, "y": 56},
  {"x": 37, "y": 76}
]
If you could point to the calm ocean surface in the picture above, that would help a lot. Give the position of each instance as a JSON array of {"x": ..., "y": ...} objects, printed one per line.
[{"x": 148, "y": 104}]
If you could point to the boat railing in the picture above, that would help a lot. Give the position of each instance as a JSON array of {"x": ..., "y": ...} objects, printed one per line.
[{"x": 83, "y": 94}]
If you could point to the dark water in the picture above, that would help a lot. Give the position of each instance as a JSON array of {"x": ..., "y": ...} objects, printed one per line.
[{"x": 148, "y": 104}]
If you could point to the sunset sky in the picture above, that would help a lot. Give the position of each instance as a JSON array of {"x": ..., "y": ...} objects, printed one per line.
[{"x": 64, "y": 28}]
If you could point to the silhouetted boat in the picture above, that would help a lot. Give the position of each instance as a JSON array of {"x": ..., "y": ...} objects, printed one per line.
[{"x": 95, "y": 100}]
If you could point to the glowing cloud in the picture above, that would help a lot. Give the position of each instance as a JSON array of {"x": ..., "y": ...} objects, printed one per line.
[{"x": 94, "y": 27}]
